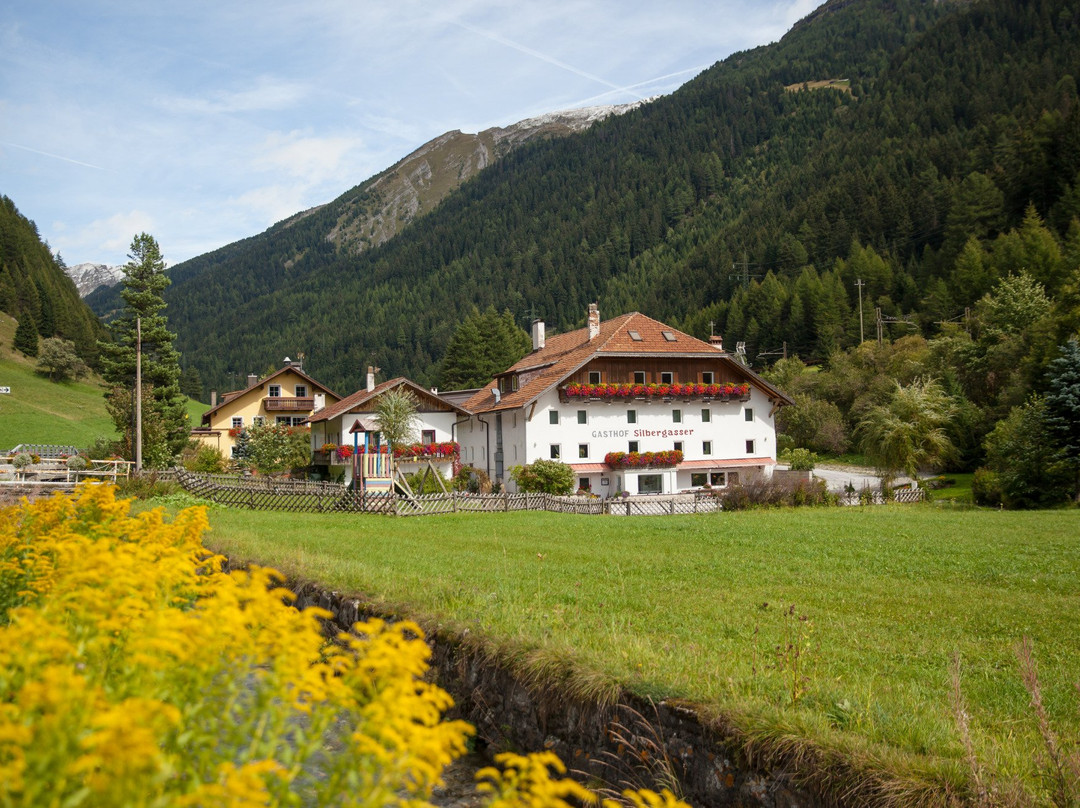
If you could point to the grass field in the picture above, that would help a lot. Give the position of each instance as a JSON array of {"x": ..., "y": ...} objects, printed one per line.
[
  {"x": 696, "y": 608},
  {"x": 40, "y": 411}
]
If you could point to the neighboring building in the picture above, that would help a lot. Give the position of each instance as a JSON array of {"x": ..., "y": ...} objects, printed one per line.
[
  {"x": 338, "y": 431},
  {"x": 602, "y": 397},
  {"x": 287, "y": 396}
]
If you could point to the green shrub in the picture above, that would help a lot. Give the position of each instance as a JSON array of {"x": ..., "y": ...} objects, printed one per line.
[
  {"x": 544, "y": 477},
  {"x": 986, "y": 487}
]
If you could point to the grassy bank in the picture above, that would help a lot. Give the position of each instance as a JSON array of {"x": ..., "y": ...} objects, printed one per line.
[{"x": 700, "y": 608}]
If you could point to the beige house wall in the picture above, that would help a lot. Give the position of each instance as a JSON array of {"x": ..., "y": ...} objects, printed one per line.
[{"x": 250, "y": 405}]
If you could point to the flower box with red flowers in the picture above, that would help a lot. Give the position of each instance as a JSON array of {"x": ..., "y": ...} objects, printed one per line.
[
  {"x": 425, "y": 451},
  {"x": 575, "y": 391},
  {"x": 643, "y": 460}
]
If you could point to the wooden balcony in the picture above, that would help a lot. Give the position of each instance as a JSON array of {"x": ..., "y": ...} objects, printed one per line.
[{"x": 288, "y": 404}]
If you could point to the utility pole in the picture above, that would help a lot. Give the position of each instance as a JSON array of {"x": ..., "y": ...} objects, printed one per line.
[
  {"x": 138, "y": 394},
  {"x": 862, "y": 338}
]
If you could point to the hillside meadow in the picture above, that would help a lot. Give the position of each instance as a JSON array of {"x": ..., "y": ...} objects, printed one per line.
[
  {"x": 815, "y": 629},
  {"x": 70, "y": 413}
]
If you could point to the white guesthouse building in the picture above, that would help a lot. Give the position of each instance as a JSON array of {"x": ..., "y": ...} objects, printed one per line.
[{"x": 631, "y": 404}]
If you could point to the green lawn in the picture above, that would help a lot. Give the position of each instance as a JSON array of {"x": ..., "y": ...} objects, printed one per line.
[{"x": 695, "y": 607}]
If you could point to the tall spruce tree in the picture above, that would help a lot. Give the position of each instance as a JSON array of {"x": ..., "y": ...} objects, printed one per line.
[
  {"x": 144, "y": 284},
  {"x": 26, "y": 335},
  {"x": 484, "y": 344}
]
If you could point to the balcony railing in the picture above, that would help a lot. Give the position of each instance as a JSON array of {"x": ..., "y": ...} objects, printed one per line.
[{"x": 288, "y": 404}]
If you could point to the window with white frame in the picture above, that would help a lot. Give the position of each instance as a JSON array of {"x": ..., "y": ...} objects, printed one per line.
[
  {"x": 583, "y": 451},
  {"x": 748, "y": 413},
  {"x": 258, "y": 420},
  {"x": 706, "y": 447},
  {"x": 631, "y": 416},
  {"x": 678, "y": 446},
  {"x": 582, "y": 417},
  {"x": 237, "y": 422},
  {"x": 274, "y": 391},
  {"x": 639, "y": 377},
  {"x": 553, "y": 416},
  {"x": 667, "y": 377},
  {"x": 706, "y": 377},
  {"x": 676, "y": 416},
  {"x": 750, "y": 447},
  {"x": 633, "y": 447},
  {"x": 556, "y": 450},
  {"x": 300, "y": 391},
  {"x": 706, "y": 416},
  {"x": 594, "y": 377}
]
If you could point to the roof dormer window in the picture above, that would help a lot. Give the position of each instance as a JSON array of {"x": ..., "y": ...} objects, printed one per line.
[
  {"x": 635, "y": 336},
  {"x": 669, "y": 336}
]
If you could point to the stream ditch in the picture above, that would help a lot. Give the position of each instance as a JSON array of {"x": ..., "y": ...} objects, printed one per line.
[{"x": 633, "y": 743}]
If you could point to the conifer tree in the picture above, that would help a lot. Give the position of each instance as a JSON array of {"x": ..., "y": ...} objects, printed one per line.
[
  {"x": 26, "y": 336},
  {"x": 144, "y": 282}
]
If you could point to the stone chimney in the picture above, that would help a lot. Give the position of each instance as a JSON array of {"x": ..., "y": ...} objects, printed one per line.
[
  {"x": 717, "y": 342},
  {"x": 213, "y": 398},
  {"x": 319, "y": 401},
  {"x": 594, "y": 320},
  {"x": 537, "y": 334},
  {"x": 371, "y": 371},
  {"x": 252, "y": 380}
]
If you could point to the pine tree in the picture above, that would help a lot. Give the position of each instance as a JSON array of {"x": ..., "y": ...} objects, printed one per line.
[
  {"x": 144, "y": 283},
  {"x": 26, "y": 336},
  {"x": 1063, "y": 408}
]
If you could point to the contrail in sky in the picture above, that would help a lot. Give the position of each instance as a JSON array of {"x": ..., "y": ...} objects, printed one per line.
[
  {"x": 54, "y": 156},
  {"x": 542, "y": 56}
]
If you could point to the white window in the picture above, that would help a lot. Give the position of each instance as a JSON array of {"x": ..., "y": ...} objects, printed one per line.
[
  {"x": 678, "y": 446},
  {"x": 583, "y": 451},
  {"x": 676, "y": 416},
  {"x": 631, "y": 416},
  {"x": 290, "y": 420},
  {"x": 555, "y": 451},
  {"x": 749, "y": 414},
  {"x": 582, "y": 417},
  {"x": 594, "y": 377},
  {"x": 706, "y": 377},
  {"x": 275, "y": 391},
  {"x": 639, "y": 377},
  {"x": 258, "y": 420},
  {"x": 633, "y": 446},
  {"x": 706, "y": 447},
  {"x": 667, "y": 377},
  {"x": 237, "y": 422},
  {"x": 553, "y": 417},
  {"x": 749, "y": 447},
  {"x": 427, "y": 436},
  {"x": 706, "y": 416},
  {"x": 301, "y": 391}
]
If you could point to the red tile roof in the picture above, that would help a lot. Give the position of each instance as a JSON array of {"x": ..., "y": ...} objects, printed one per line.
[
  {"x": 563, "y": 354},
  {"x": 361, "y": 397}
]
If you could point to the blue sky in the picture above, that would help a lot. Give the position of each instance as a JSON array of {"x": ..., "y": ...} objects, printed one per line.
[{"x": 202, "y": 123}]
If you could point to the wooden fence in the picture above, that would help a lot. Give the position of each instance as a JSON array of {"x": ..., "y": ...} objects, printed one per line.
[{"x": 302, "y": 496}]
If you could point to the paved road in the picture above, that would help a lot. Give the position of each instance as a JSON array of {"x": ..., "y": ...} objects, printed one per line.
[{"x": 837, "y": 478}]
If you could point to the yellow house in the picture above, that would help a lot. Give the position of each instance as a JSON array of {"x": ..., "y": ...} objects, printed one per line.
[{"x": 287, "y": 396}]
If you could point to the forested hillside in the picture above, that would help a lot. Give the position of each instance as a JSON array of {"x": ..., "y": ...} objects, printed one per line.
[
  {"x": 35, "y": 290},
  {"x": 747, "y": 199}
]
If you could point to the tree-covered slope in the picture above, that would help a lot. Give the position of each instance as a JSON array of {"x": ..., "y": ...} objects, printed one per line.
[
  {"x": 35, "y": 290},
  {"x": 746, "y": 199}
]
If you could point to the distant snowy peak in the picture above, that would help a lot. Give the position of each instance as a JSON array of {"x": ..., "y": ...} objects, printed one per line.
[{"x": 89, "y": 277}]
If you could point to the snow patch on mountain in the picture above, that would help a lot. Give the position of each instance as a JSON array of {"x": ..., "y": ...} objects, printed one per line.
[{"x": 89, "y": 277}]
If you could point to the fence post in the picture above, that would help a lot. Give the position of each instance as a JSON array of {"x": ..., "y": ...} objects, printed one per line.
[
  {"x": 453, "y": 500},
  {"x": 671, "y": 506}
]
